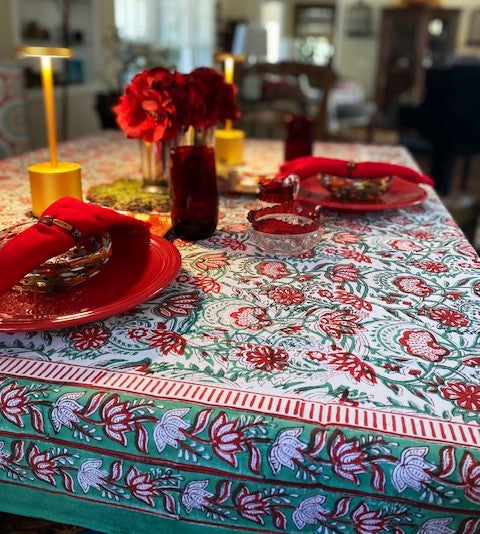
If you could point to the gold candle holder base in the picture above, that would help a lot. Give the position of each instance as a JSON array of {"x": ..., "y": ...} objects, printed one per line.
[
  {"x": 49, "y": 183},
  {"x": 229, "y": 146}
]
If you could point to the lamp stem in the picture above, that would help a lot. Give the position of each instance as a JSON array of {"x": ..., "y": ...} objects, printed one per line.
[
  {"x": 229, "y": 66},
  {"x": 229, "y": 69},
  {"x": 49, "y": 106}
]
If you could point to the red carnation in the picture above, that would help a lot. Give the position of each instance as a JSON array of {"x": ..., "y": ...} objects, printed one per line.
[
  {"x": 158, "y": 103},
  {"x": 219, "y": 97},
  {"x": 147, "y": 110},
  {"x": 187, "y": 99}
]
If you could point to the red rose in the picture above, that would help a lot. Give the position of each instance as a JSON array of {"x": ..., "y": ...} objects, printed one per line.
[
  {"x": 187, "y": 98},
  {"x": 146, "y": 110},
  {"x": 228, "y": 108}
]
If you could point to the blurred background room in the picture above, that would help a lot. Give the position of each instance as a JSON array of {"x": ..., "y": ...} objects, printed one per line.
[{"x": 398, "y": 71}]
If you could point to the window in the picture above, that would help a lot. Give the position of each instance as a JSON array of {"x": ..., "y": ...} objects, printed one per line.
[
  {"x": 271, "y": 15},
  {"x": 131, "y": 20},
  {"x": 186, "y": 31}
]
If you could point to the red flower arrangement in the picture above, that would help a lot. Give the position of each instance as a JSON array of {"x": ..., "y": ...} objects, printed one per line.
[
  {"x": 158, "y": 104},
  {"x": 219, "y": 97}
]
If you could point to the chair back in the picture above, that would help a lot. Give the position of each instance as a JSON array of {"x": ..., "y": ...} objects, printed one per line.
[
  {"x": 14, "y": 133},
  {"x": 284, "y": 87}
]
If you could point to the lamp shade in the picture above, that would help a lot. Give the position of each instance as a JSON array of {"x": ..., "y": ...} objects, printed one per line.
[
  {"x": 44, "y": 51},
  {"x": 250, "y": 40}
]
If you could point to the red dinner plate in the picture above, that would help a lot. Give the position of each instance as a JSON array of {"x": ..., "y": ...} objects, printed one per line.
[
  {"x": 135, "y": 273},
  {"x": 400, "y": 195}
]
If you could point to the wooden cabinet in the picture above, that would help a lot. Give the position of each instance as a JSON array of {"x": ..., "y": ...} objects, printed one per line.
[{"x": 412, "y": 39}]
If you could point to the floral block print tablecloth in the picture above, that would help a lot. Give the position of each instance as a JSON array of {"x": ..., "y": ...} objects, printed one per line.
[{"x": 336, "y": 392}]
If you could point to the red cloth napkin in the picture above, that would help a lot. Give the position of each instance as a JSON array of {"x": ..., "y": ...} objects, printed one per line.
[
  {"x": 309, "y": 166},
  {"x": 39, "y": 242}
]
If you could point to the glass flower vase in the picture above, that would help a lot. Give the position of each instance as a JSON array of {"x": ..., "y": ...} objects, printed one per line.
[
  {"x": 193, "y": 188},
  {"x": 155, "y": 166}
]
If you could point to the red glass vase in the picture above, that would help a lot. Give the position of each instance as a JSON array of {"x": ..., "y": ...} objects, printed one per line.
[
  {"x": 299, "y": 137},
  {"x": 193, "y": 192}
]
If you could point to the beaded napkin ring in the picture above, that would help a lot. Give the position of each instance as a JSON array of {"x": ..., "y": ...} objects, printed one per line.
[{"x": 49, "y": 221}]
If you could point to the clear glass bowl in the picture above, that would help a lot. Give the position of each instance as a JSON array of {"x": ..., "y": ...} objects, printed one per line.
[
  {"x": 74, "y": 266},
  {"x": 290, "y": 228},
  {"x": 361, "y": 189},
  {"x": 274, "y": 189}
]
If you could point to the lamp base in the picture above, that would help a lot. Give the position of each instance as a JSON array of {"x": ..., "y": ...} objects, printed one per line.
[
  {"x": 229, "y": 146},
  {"x": 49, "y": 183}
]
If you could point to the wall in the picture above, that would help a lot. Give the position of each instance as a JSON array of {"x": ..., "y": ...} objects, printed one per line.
[
  {"x": 82, "y": 117},
  {"x": 240, "y": 10},
  {"x": 358, "y": 57},
  {"x": 7, "y": 46}
]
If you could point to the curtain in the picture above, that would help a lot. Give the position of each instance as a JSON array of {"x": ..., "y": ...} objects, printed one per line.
[{"x": 185, "y": 28}]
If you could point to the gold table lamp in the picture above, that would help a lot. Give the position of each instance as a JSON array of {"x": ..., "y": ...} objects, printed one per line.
[{"x": 53, "y": 179}]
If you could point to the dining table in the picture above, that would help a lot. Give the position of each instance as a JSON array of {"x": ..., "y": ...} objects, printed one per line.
[{"x": 336, "y": 391}]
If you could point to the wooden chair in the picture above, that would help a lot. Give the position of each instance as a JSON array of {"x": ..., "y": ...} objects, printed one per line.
[{"x": 281, "y": 88}]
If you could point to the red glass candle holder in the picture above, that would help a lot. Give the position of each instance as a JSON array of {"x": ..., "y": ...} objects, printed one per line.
[
  {"x": 278, "y": 189},
  {"x": 299, "y": 137},
  {"x": 291, "y": 228},
  {"x": 193, "y": 192}
]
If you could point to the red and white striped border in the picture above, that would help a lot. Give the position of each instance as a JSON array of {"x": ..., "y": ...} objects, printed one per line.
[{"x": 290, "y": 408}]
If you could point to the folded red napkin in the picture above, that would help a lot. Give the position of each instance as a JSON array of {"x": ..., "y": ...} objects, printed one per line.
[
  {"x": 309, "y": 166},
  {"x": 47, "y": 238}
]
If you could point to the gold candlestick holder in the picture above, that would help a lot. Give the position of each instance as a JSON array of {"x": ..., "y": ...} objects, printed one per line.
[{"x": 229, "y": 141}]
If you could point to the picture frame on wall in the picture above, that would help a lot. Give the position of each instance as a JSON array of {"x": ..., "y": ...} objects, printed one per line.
[{"x": 358, "y": 21}]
